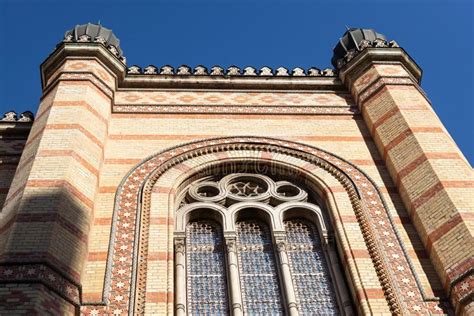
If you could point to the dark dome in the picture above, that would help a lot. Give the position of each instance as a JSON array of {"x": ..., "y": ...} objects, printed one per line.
[
  {"x": 351, "y": 40},
  {"x": 95, "y": 31}
]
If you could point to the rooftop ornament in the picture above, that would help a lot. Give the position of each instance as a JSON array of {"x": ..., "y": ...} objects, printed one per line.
[
  {"x": 95, "y": 33},
  {"x": 11, "y": 116},
  {"x": 356, "y": 40}
]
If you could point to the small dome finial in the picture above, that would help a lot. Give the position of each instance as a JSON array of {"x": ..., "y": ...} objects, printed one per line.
[
  {"x": 95, "y": 33},
  {"x": 353, "y": 41}
]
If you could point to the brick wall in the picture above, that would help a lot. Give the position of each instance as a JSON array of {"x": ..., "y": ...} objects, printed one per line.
[{"x": 92, "y": 129}]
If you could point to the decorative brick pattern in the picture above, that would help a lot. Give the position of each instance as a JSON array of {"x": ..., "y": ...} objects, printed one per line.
[
  {"x": 400, "y": 284},
  {"x": 426, "y": 165}
]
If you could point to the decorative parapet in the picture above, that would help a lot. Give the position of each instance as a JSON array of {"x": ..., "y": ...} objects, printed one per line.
[
  {"x": 231, "y": 71},
  {"x": 11, "y": 116}
]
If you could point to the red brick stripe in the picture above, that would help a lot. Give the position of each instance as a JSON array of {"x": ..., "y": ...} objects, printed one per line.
[
  {"x": 159, "y": 297},
  {"x": 90, "y": 83},
  {"x": 159, "y": 255},
  {"x": 367, "y": 162},
  {"x": 332, "y": 138},
  {"x": 161, "y": 220},
  {"x": 107, "y": 189},
  {"x": 69, "y": 153},
  {"x": 102, "y": 221},
  {"x": 121, "y": 161},
  {"x": 97, "y": 256},
  {"x": 51, "y": 218},
  {"x": 394, "y": 142},
  {"x": 442, "y": 230},
  {"x": 78, "y": 127},
  {"x": 46, "y": 183},
  {"x": 158, "y": 137},
  {"x": 431, "y": 192},
  {"x": 370, "y": 294},
  {"x": 421, "y": 159},
  {"x": 193, "y": 137},
  {"x": 83, "y": 104},
  {"x": 384, "y": 118}
]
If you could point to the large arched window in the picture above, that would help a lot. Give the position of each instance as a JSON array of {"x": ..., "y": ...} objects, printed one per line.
[{"x": 250, "y": 244}]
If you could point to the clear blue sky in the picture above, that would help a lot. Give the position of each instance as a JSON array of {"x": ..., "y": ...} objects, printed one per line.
[{"x": 438, "y": 34}]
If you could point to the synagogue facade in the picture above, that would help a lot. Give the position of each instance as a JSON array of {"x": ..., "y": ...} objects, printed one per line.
[{"x": 196, "y": 191}]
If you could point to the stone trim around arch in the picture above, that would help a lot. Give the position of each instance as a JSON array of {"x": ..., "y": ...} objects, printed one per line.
[{"x": 129, "y": 236}]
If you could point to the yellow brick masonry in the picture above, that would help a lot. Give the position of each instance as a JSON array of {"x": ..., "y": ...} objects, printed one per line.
[
  {"x": 78, "y": 153},
  {"x": 49, "y": 209},
  {"x": 435, "y": 181}
]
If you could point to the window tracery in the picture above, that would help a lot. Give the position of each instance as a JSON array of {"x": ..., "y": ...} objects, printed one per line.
[{"x": 276, "y": 256}]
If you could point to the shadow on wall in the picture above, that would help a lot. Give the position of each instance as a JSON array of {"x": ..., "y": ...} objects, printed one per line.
[{"x": 45, "y": 252}]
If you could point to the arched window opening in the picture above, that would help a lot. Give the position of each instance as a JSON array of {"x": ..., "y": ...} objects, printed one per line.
[
  {"x": 206, "y": 276},
  {"x": 261, "y": 293},
  {"x": 311, "y": 277},
  {"x": 268, "y": 252}
]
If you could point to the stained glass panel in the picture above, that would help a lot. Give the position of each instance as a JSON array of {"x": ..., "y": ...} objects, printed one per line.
[
  {"x": 206, "y": 277},
  {"x": 310, "y": 273},
  {"x": 259, "y": 281}
]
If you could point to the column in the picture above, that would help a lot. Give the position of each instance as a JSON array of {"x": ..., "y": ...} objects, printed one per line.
[
  {"x": 234, "y": 276},
  {"x": 287, "y": 281},
  {"x": 180, "y": 270}
]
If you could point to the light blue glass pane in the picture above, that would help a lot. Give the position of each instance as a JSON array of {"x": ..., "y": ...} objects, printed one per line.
[
  {"x": 311, "y": 278},
  {"x": 206, "y": 277},
  {"x": 261, "y": 292}
]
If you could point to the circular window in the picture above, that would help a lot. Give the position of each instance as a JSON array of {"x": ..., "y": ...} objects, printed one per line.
[
  {"x": 207, "y": 191},
  {"x": 288, "y": 190}
]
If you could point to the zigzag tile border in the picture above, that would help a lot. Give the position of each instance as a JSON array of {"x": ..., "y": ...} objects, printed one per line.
[{"x": 226, "y": 109}]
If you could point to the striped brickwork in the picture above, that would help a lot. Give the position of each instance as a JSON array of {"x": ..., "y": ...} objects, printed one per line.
[
  {"x": 435, "y": 181},
  {"x": 49, "y": 208},
  {"x": 83, "y": 168}
]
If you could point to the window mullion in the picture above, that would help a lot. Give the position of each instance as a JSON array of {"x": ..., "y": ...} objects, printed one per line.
[
  {"x": 234, "y": 276},
  {"x": 287, "y": 282},
  {"x": 180, "y": 268}
]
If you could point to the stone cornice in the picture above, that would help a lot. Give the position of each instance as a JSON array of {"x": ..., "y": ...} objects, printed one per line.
[
  {"x": 185, "y": 78},
  {"x": 356, "y": 66}
]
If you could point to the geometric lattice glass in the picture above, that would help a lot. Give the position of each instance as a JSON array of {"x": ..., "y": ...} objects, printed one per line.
[
  {"x": 311, "y": 278},
  {"x": 205, "y": 263},
  {"x": 259, "y": 280}
]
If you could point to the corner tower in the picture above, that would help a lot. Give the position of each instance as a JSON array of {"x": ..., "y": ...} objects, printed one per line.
[
  {"x": 49, "y": 208},
  {"x": 432, "y": 176}
]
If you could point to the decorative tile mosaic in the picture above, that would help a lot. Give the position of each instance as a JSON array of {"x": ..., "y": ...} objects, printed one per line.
[
  {"x": 311, "y": 278},
  {"x": 206, "y": 276},
  {"x": 261, "y": 293}
]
